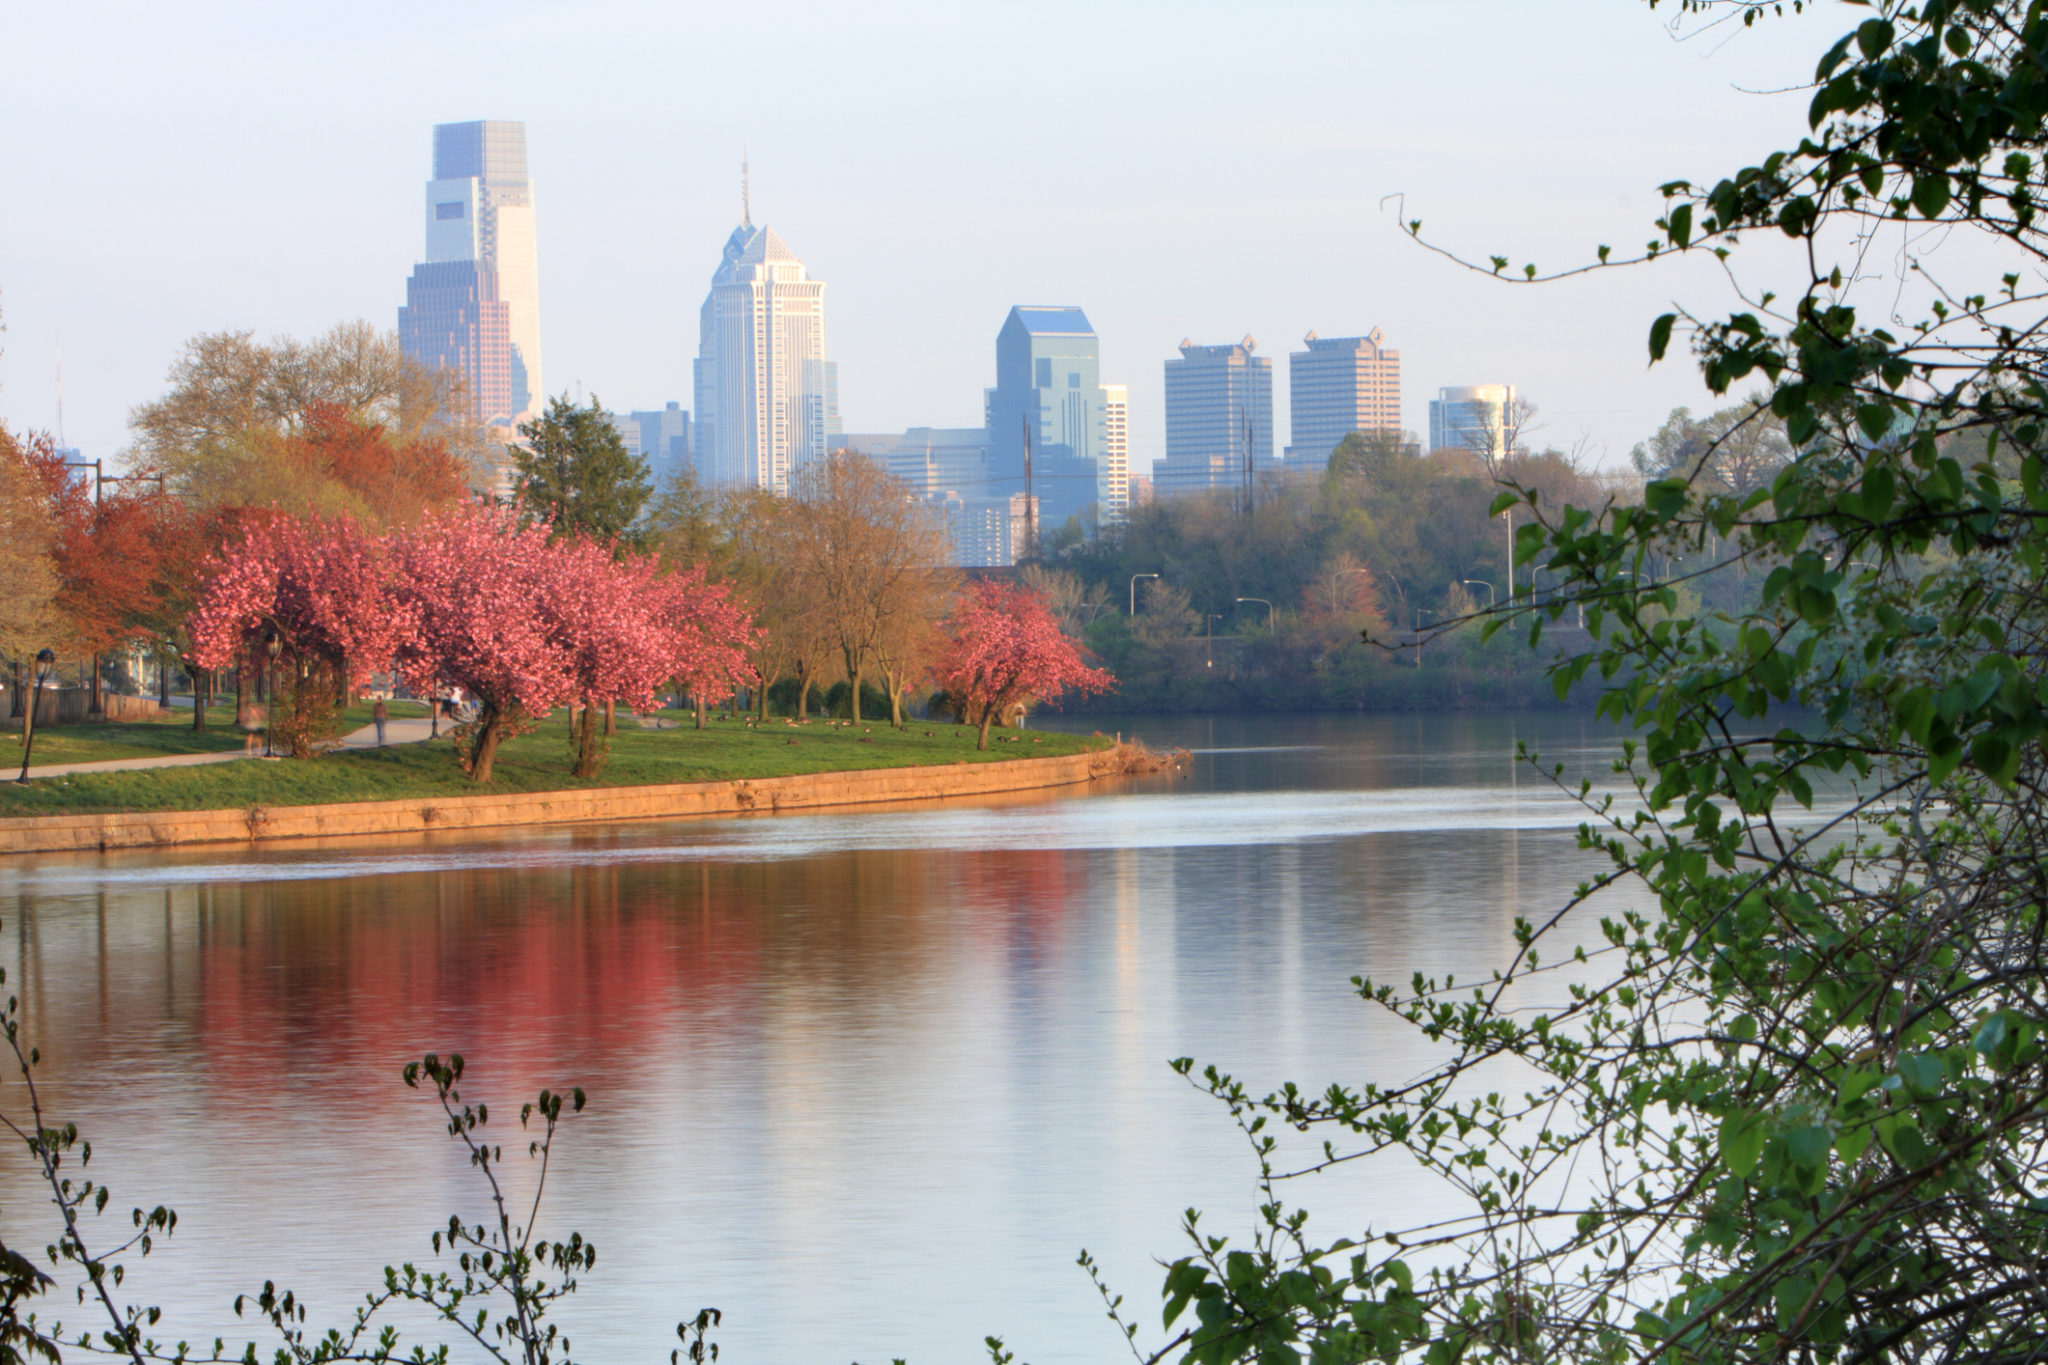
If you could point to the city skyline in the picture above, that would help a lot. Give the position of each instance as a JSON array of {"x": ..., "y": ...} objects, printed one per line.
[{"x": 1167, "y": 234}]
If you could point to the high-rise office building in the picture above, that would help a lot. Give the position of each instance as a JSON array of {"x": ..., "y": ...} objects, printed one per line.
[
  {"x": 1049, "y": 390},
  {"x": 1337, "y": 386},
  {"x": 453, "y": 319},
  {"x": 1477, "y": 417},
  {"x": 475, "y": 303},
  {"x": 664, "y": 435},
  {"x": 1219, "y": 418},
  {"x": 1116, "y": 450},
  {"x": 935, "y": 460},
  {"x": 767, "y": 399}
]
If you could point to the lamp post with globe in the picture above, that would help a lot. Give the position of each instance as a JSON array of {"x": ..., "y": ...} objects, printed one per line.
[{"x": 38, "y": 675}]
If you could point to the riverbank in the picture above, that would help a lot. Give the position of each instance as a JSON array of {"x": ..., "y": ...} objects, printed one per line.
[
  {"x": 967, "y": 774},
  {"x": 537, "y": 761}
]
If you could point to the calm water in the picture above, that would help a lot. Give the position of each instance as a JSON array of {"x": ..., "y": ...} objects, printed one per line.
[{"x": 865, "y": 1081}]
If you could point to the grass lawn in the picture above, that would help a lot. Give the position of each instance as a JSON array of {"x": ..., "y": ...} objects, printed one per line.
[
  {"x": 95, "y": 743},
  {"x": 536, "y": 761}
]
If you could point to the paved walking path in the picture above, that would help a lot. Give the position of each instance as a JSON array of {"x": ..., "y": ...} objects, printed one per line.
[{"x": 397, "y": 731}]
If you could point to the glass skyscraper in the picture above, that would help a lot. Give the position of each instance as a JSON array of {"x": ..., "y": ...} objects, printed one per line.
[
  {"x": 475, "y": 302},
  {"x": 767, "y": 399},
  {"x": 1477, "y": 417},
  {"x": 1219, "y": 418},
  {"x": 1049, "y": 384},
  {"x": 1337, "y": 386}
]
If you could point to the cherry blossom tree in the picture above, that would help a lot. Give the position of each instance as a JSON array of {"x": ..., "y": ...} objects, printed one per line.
[
  {"x": 1005, "y": 649},
  {"x": 483, "y": 601},
  {"x": 629, "y": 628},
  {"x": 320, "y": 592},
  {"x": 525, "y": 626},
  {"x": 709, "y": 636}
]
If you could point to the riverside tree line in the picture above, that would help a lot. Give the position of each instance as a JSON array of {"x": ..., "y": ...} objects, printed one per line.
[
  {"x": 309, "y": 518},
  {"x": 1194, "y": 603}
]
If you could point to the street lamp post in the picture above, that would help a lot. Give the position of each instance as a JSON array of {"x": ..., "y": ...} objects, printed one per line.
[
  {"x": 1270, "y": 627},
  {"x": 1420, "y": 639},
  {"x": 38, "y": 673},
  {"x": 1134, "y": 589},
  {"x": 1492, "y": 597}
]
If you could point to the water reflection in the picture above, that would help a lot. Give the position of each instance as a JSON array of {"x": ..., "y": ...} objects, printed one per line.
[{"x": 865, "y": 1080}]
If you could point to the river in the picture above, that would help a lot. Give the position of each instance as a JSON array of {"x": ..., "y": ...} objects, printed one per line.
[{"x": 866, "y": 1081}]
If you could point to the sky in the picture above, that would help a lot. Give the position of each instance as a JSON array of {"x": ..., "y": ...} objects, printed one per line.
[{"x": 1180, "y": 170}]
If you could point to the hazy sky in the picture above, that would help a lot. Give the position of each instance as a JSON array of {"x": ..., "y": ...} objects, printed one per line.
[{"x": 1183, "y": 169}]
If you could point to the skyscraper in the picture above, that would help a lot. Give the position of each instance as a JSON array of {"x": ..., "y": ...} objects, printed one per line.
[
  {"x": 1049, "y": 384},
  {"x": 1219, "y": 413},
  {"x": 453, "y": 319},
  {"x": 1477, "y": 417},
  {"x": 1116, "y": 430},
  {"x": 767, "y": 399},
  {"x": 664, "y": 441},
  {"x": 475, "y": 302},
  {"x": 1337, "y": 386}
]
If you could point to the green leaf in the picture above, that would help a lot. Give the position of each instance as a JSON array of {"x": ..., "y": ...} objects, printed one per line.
[
  {"x": 1930, "y": 194},
  {"x": 1742, "y": 1142},
  {"x": 1660, "y": 336},
  {"x": 1681, "y": 225}
]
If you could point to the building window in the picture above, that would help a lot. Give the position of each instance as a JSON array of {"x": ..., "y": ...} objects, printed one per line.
[
  {"x": 1044, "y": 375},
  {"x": 447, "y": 211},
  {"x": 1074, "y": 380}
]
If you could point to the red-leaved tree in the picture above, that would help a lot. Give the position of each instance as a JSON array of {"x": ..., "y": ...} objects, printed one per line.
[
  {"x": 482, "y": 599},
  {"x": 709, "y": 636},
  {"x": 628, "y": 629},
  {"x": 1005, "y": 649},
  {"x": 319, "y": 591}
]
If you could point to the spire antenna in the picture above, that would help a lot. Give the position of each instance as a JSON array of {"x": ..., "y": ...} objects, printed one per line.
[{"x": 746, "y": 193}]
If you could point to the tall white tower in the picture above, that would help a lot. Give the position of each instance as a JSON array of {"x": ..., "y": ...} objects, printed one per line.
[
  {"x": 480, "y": 208},
  {"x": 765, "y": 393},
  {"x": 1116, "y": 451}
]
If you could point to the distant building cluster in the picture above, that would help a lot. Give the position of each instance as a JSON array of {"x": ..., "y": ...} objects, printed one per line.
[{"x": 1054, "y": 444}]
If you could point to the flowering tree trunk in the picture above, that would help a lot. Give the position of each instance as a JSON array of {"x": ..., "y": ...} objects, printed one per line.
[{"x": 493, "y": 722}]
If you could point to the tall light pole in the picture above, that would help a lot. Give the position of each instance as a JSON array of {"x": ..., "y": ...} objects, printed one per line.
[
  {"x": 1134, "y": 589},
  {"x": 44, "y": 657},
  {"x": 1492, "y": 597},
  {"x": 1420, "y": 612},
  {"x": 1270, "y": 627}
]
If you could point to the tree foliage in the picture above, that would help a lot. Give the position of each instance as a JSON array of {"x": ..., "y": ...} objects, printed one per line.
[
  {"x": 574, "y": 472},
  {"x": 1791, "y": 1104},
  {"x": 1004, "y": 650},
  {"x": 867, "y": 551},
  {"x": 231, "y": 396}
]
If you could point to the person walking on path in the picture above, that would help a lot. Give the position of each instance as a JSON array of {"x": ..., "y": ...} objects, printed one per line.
[{"x": 379, "y": 714}]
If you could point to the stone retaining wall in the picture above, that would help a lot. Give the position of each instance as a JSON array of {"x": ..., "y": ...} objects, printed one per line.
[{"x": 152, "y": 829}]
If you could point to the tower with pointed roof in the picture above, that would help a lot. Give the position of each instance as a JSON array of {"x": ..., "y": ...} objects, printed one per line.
[{"x": 766, "y": 396}]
